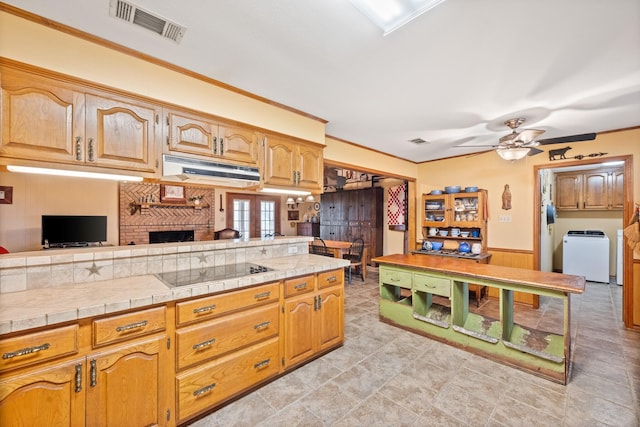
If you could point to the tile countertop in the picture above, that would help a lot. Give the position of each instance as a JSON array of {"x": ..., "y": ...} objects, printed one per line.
[{"x": 41, "y": 307}]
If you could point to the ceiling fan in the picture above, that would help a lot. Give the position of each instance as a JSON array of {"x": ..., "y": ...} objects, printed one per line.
[{"x": 517, "y": 145}]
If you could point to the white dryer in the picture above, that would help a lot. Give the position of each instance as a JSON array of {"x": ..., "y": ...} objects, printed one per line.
[{"x": 586, "y": 253}]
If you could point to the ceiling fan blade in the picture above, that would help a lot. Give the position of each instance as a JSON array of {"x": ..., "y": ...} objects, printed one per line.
[
  {"x": 571, "y": 138},
  {"x": 534, "y": 151},
  {"x": 509, "y": 139},
  {"x": 528, "y": 135}
]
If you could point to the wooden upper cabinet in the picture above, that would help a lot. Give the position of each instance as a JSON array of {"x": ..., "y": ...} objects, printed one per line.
[
  {"x": 49, "y": 120},
  {"x": 40, "y": 118},
  {"x": 596, "y": 192},
  {"x": 121, "y": 133},
  {"x": 598, "y": 189},
  {"x": 195, "y": 134},
  {"x": 292, "y": 163},
  {"x": 568, "y": 191}
]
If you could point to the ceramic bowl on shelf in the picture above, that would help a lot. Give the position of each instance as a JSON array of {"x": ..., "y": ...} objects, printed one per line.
[
  {"x": 464, "y": 234},
  {"x": 433, "y": 206},
  {"x": 471, "y": 189},
  {"x": 452, "y": 189},
  {"x": 444, "y": 232},
  {"x": 436, "y": 246},
  {"x": 439, "y": 218},
  {"x": 432, "y": 192}
]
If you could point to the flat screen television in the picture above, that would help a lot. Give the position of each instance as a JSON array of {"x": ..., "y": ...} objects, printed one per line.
[{"x": 73, "y": 230}]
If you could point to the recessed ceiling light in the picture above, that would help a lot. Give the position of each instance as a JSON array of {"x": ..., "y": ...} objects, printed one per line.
[{"x": 390, "y": 15}]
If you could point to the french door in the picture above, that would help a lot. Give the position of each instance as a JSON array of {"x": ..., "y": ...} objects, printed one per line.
[{"x": 253, "y": 215}]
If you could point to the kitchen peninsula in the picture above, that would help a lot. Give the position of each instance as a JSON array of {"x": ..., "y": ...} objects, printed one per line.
[
  {"x": 429, "y": 295},
  {"x": 111, "y": 336}
]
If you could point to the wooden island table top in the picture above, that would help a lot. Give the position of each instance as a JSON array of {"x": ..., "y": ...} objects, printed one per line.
[{"x": 529, "y": 278}]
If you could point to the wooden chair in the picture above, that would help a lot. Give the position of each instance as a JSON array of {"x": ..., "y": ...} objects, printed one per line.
[
  {"x": 318, "y": 247},
  {"x": 226, "y": 233},
  {"x": 355, "y": 258}
]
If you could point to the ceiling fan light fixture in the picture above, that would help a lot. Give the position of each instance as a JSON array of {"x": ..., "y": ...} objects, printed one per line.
[
  {"x": 514, "y": 153},
  {"x": 391, "y": 15}
]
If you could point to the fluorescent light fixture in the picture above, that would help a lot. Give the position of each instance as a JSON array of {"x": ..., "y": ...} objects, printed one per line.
[
  {"x": 285, "y": 191},
  {"x": 74, "y": 174},
  {"x": 390, "y": 15},
  {"x": 513, "y": 153},
  {"x": 615, "y": 163}
]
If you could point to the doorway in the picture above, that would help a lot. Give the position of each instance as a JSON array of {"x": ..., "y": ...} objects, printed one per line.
[
  {"x": 253, "y": 215},
  {"x": 544, "y": 237}
]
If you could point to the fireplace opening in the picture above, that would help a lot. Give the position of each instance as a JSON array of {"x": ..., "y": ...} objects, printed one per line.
[{"x": 171, "y": 236}]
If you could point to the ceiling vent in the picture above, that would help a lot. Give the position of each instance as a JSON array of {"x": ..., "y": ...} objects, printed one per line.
[
  {"x": 418, "y": 141},
  {"x": 145, "y": 19}
]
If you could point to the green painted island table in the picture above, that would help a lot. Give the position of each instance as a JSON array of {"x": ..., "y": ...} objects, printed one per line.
[{"x": 429, "y": 296}]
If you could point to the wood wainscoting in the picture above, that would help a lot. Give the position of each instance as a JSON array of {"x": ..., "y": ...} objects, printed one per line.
[{"x": 514, "y": 258}]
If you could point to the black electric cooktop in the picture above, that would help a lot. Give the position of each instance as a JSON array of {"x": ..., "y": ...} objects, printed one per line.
[{"x": 207, "y": 274}]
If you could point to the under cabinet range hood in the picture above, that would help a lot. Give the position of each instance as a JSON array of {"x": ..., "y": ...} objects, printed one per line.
[{"x": 185, "y": 169}]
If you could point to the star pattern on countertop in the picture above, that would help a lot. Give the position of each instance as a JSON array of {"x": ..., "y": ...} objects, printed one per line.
[
  {"x": 94, "y": 269},
  {"x": 202, "y": 258}
]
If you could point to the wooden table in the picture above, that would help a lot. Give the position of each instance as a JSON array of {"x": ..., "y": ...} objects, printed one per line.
[{"x": 340, "y": 247}]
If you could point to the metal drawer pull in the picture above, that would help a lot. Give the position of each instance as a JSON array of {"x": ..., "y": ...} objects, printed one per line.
[
  {"x": 300, "y": 286},
  {"x": 130, "y": 326},
  {"x": 93, "y": 373},
  {"x": 204, "y": 390},
  {"x": 204, "y": 309},
  {"x": 262, "y": 295},
  {"x": 262, "y": 325},
  {"x": 204, "y": 344},
  {"x": 262, "y": 364},
  {"x": 332, "y": 279},
  {"x": 25, "y": 351}
]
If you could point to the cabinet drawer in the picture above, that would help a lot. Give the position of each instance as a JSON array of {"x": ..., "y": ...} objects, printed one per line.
[
  {"x": 395, "y": 277},
  {"x": 37, "y": 347},
  {"x": 216, "y": 337},
  {"x": 299, "y": 285},
  {"x": 209, "y": 307},
  {"x": 205, "y": 386},
  {"x": 432, "y": 285},
  {"x": 127, "y": 326},
  {"x": 330, "y": 278}
]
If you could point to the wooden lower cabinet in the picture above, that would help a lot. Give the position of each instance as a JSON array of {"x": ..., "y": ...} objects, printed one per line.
[
  {"x": 127, "y": 369},
  {"x": 314, "y": 321},
  {"x": 125, "y": 387},
  {"x": 203, "y": 387},
  {"x": 49, "y": 396}
]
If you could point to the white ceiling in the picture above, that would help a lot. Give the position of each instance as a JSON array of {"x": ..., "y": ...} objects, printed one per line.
[{"x": 451, "y": 76}]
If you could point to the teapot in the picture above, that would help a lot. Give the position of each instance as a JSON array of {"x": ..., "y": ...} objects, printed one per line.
[
  {"x": 427, "y": 246},
  {"x": 476, "y": 248},
  {"x": 433, "y": 231},
  {"x": 464, "y": 247}
]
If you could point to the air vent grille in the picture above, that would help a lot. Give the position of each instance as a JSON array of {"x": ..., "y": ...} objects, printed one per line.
[
  {"x": 135, "y": 15},
  {"x": 418, "y": 141}
]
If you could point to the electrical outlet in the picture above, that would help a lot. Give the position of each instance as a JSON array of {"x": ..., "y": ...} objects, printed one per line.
[{"x": 293, "y": 249}]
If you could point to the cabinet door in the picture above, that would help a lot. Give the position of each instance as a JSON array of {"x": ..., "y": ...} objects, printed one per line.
[
  {"x": 52, "y": 396},
  {"x": 280, "y": 162},
  {"x": 309, "y": 167},
  {"x": 121, "y": 134},
  {"x": 568, "y": 190},
  {"x": 40, "y": 119},
  {"x": 595, "y": 190},
  {"x": 298, "y": 329},
  {"x": 435, "y": 210},
  {"x": 237, "y": 144},
  {"x": 617, "y": 189},
  {"x": 189, "y": 134},
  {"x": 124, "y": 386},
  {"x": 330, "y": 316}
]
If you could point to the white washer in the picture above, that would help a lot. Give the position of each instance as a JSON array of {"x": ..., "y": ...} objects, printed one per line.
[{"x": 586, "y": 253}]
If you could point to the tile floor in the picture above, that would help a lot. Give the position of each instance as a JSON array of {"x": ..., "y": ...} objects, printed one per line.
[{"x": 384, "y": 376}]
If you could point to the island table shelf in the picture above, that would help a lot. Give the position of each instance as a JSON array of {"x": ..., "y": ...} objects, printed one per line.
[{"x": 412, "y": 288}]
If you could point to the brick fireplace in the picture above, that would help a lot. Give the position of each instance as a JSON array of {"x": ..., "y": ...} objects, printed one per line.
[{"x": 142, "y": 210}]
